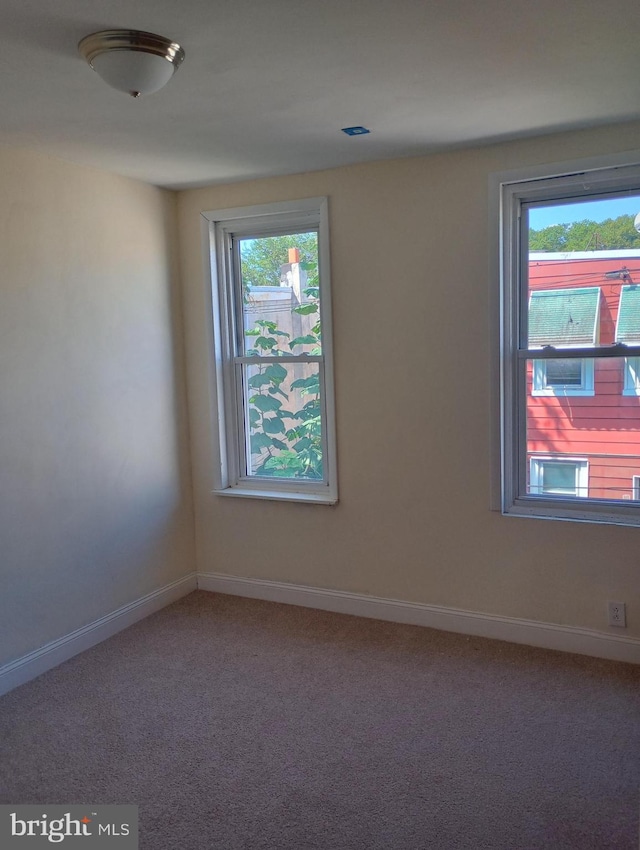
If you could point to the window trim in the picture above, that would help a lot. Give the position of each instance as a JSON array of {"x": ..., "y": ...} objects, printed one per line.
[
  {"x": 569, "y": 181},
  {"x": 631, "y": 377},
  {"x": 227, "y": 431}
]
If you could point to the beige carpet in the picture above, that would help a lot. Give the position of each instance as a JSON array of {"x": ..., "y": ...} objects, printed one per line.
[{"x": 237, "y": 724}]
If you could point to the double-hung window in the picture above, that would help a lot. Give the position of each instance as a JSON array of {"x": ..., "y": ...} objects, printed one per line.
[
  {"x": 570, "y": 342},
  {"x": 272, "y": 381}
]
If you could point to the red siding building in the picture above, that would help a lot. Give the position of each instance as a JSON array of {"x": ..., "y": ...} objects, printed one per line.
[{"x": 583, "y": 416}]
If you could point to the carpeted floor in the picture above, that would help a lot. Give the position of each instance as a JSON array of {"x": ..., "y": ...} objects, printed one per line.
[{"x": 234, "y": 723}]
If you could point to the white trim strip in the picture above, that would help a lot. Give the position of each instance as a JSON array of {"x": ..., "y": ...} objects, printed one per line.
[
  {"x": 51, "y": 654},
  {"x": 559, "y": 256},
  {"x": 512, "y": 629}
]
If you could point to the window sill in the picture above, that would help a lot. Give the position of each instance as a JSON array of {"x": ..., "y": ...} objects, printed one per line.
[
  {"x": 278, "y": 496},
  {"x": 591, "y": 511},
  {"x": 562, "y": 393}
]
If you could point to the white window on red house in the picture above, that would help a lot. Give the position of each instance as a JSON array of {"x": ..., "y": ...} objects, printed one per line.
[
  {"x": 559, "y": 477},
  {"x": 628, "y": 333},
  {"x": 570, "y": 345},
  {"x": 566, "y": 317}
]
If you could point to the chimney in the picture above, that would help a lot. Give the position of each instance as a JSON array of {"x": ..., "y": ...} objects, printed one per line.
[{"x": 292, "y": 274}]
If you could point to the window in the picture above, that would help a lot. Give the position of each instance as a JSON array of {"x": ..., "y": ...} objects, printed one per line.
[
  {"x": 631, "y": 385},
  {"x": 553, "y": 477},
  {"x": 566, "y": 317},
  {"x": 628, "y": 333},
  {"x": 272, "y": 378},
  {"x": 563, "y": 377},
  {"x": 569, "y": 343}
]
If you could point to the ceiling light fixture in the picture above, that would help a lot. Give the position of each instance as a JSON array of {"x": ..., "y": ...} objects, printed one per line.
[{"x": 132, "y": 61}]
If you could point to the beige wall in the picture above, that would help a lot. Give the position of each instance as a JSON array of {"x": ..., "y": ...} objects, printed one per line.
[
  {"x": 95, "y": 492},
  {"x": 410, "y": 254}
]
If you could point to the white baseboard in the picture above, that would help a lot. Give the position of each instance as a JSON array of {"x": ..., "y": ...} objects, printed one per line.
[
  {"x": 51, "y": 654},
  {"x": 531, "y": 632},
  {"x": 546, "y": 635}
]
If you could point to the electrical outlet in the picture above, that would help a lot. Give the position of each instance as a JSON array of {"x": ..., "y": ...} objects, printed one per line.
[{"x": 617, "y": 614}]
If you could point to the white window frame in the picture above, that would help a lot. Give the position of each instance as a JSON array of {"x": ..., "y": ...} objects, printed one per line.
[
  {"x": 631, "y": 382},
  {"x": 510, "y": 192},
  {"x": 223, "y": 281},
  {"x": 541, "y": 388},
  {"x": 581, "y": 469}
]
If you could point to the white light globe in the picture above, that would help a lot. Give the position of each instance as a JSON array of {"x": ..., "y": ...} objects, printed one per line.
[{"x": 133, "y": 71}]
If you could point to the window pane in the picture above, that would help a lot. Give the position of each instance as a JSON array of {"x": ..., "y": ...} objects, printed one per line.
[
  {"x": 575, "y": 279},
  {"x": 589, "y": 224},
  {"x": 283, "y": 420},
  {"x": 559, "y": 477},
  {"x": 601, "y": 431},
  {"x": 281, "y": 311},
  {"x": 564, "y": 373},
  {"x": 583, "y": 416},
  {"x": 632, "y": 376}
]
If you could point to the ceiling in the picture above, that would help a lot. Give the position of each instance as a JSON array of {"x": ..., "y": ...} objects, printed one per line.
[{"x": 267, "y": 85}]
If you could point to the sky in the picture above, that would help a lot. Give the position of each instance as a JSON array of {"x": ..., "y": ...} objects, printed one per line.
[{"x": 592, "y": 210}]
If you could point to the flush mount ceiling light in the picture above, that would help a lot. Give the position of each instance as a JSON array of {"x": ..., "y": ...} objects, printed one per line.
[{"x": 132, "y": 61}]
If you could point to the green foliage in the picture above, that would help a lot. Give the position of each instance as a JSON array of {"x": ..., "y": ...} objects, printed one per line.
[
  {"x": 306, "y": 384},
  {"x": 301, "y": 455},
  {"x": 259, "y": 380},
  {"x": 307, "y": 339},
  {"x": 265, "y": 403},
  {"x": 586, "y": 236},
  {"x": 262, "y": 258}
]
